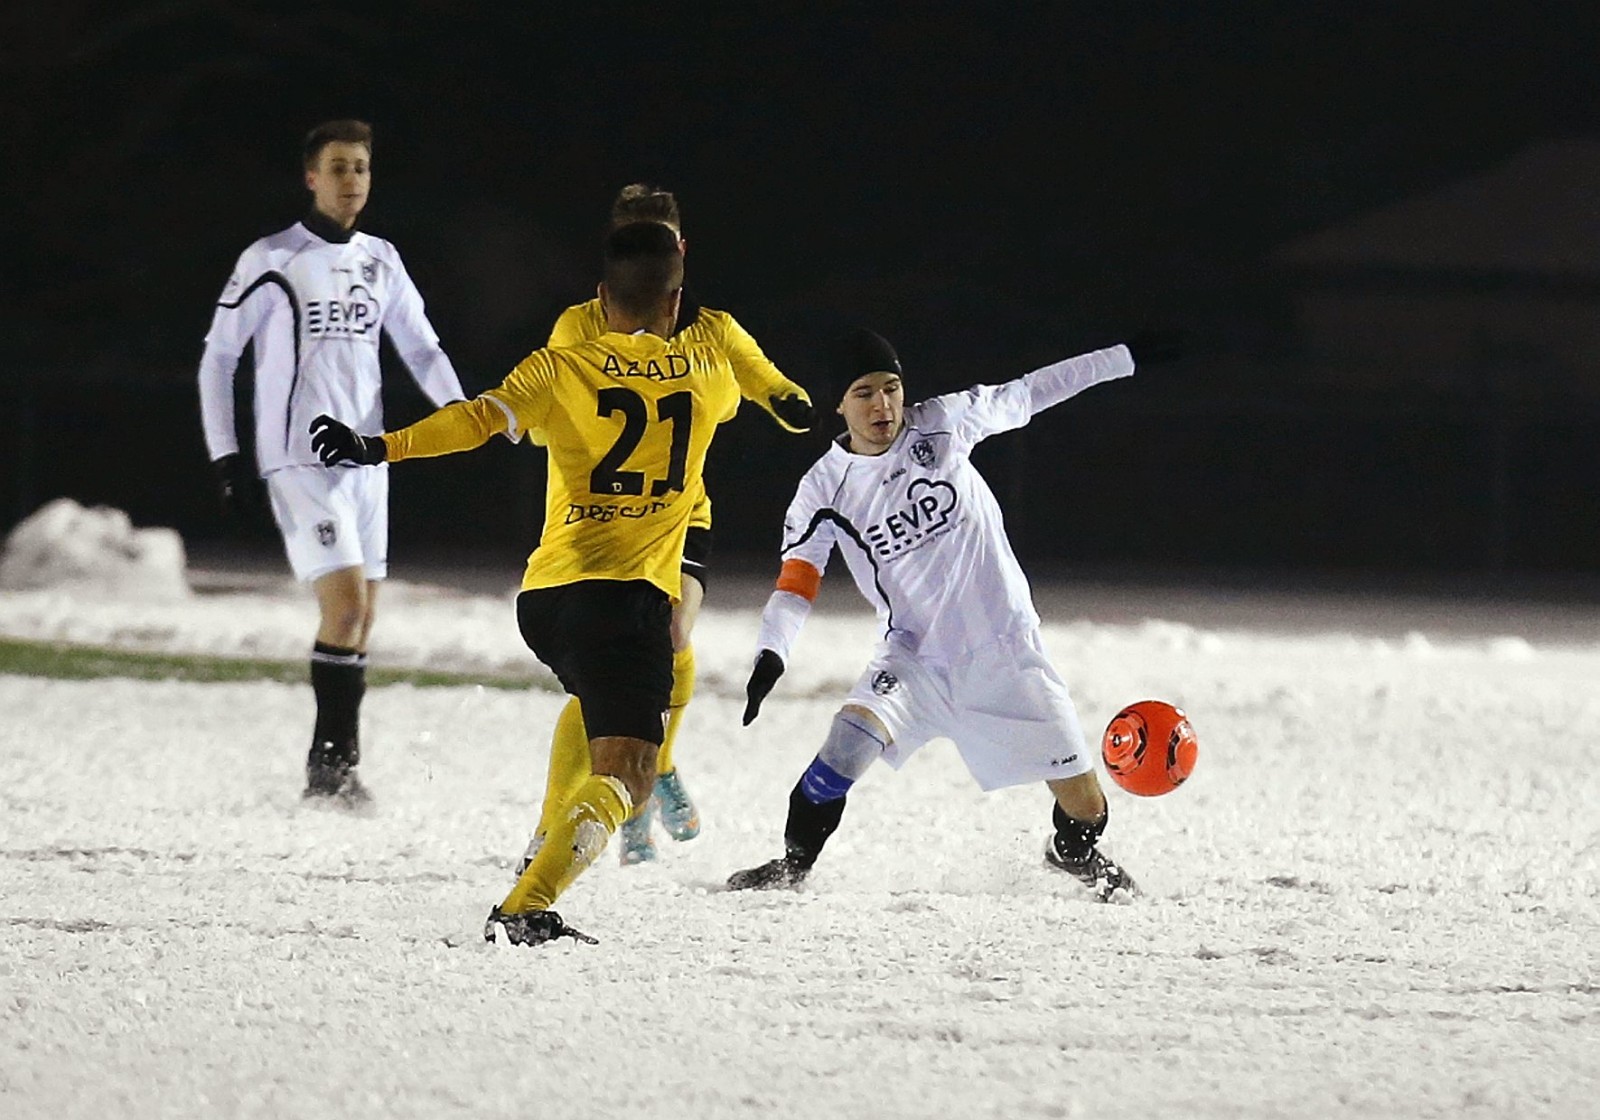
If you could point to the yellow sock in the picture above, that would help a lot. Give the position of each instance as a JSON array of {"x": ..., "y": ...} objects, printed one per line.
[
  {"x": 682, "y": 690},
  {"x": 597, "y": 809},
  {"x": 569, "y": 764}
]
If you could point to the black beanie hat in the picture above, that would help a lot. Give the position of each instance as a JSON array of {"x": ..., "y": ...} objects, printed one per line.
[{"x": 855, "y": 355}]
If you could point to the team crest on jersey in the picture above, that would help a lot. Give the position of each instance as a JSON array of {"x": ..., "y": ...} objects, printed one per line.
[
  {"x": 327, "y": 533},
  {"x": 884, "y": 682},
  {"x": 922, "y": 453},
  {"x": 369, "y": 271}
]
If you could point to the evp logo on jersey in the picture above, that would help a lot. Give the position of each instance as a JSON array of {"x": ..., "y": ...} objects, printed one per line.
[
  {"x": 351, "y": 317},
  {"x": 929, "y": 504}
]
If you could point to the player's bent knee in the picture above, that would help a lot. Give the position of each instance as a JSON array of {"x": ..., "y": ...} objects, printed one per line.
[
  {"x": 856, "y": 739},
  {"x": 631, "y": 761}
]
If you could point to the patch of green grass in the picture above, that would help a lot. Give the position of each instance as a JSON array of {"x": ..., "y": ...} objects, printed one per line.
[{"x": 64, "y": 661}]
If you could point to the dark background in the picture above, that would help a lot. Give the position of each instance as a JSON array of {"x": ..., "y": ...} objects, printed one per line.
[{"x": 989, "y": 191}]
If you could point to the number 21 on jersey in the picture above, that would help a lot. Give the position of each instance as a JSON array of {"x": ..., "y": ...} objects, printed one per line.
[{"x": 676, "y": 409}]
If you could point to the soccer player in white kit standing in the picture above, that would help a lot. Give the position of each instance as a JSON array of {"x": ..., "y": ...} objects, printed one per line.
[
  {"x": 961, "y": 656},
  {"x": 312, "y": 300}
]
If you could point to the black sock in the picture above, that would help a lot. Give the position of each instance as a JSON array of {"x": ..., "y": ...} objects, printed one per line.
[
  {"x": 339, "y": 680},
  {"x": 809, "y": 825},
  {"x": 1075, "y": 839}
]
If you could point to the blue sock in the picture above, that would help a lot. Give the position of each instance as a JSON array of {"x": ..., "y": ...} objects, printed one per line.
[{"x": 821, "y": 783}]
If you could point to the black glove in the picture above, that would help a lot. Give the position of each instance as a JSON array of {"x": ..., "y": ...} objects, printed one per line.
[
  {"x": 794, "y": 410},
  {"x": 1151, "y": 347},
  {"x": 237, "y": 485},
  {"x": 335, "y": 443},
  {"x": 769, "y": 667}
]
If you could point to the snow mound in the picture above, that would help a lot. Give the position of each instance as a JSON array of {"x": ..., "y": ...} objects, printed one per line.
[{"x": 66, "y": 546}]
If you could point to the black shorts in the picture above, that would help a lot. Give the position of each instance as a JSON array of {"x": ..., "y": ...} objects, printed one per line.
[
  {"x": 697, "y": 554},
  {"x": 609, "y": 643}
]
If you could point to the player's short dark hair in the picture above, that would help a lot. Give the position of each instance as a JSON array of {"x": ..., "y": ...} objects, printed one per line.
[
  {"x": 335, "y": 132},
  {"x": 642, "y": 267},
  {"x": 641, "y": 202}
]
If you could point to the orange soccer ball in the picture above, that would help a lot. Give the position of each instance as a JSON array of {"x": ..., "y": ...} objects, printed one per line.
[{"x": 1149, "y": 748}]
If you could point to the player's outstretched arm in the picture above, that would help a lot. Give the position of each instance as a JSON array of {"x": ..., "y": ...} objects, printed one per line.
[
  {"x": 986, "y": 409},
  {"x": 1060, "y": 381},
  {"x": 455, "y": 427},
  {"x": 763, "y": 382}
]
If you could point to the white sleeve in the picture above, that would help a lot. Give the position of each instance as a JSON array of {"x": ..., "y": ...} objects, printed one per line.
[
  {"x": 1052, "y": 384},
  {"x": 808, "y": 537},
  {"x": 809, "y": 531},
  {"x": 985, "y": 410},
  {"x": 781, "y": 621},
  {"x": 244, "y": 304},
  {"x": 417, "y": 344}
]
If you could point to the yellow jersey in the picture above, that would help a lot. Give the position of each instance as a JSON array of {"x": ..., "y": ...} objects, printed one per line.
[
  {"x": 627, "y": 419},
  {"x": 758, "y": 378}
]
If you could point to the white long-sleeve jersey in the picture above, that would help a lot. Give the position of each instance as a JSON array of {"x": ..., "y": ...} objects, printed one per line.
[
  {"x": 919, "y": 528},
  {"x": 314, "y": 309}
]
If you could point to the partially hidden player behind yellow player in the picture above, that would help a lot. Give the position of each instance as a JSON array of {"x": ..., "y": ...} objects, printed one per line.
[
  {"x": 627, "y": 419},
  {"x": 759, "y": 381}
]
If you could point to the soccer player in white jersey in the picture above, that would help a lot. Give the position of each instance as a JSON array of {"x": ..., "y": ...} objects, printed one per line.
[
  {"x": 312, "y": 301},
  {"x": 961, "y": 656}
]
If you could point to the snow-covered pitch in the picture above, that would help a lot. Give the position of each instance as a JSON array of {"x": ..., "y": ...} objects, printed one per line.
[{"x": 1376, "y": 897}]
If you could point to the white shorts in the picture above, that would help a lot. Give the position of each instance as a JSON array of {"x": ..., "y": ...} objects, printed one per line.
[
  {"x": 333, "y": 518},
  {"x": 1005, "y": 706}
]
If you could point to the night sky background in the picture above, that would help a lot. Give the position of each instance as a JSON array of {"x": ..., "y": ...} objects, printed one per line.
[{"x": 990, "y": 192}]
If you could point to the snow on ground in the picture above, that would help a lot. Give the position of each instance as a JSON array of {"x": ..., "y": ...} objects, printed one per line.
[
  {"x": 63, "y": 545},
  {"x": 1376, "y": 897}
]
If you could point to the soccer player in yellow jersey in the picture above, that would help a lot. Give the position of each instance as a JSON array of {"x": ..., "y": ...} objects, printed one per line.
[
  {"x": 759, "y": 381},
  {"x": 627, "y": 419}
]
